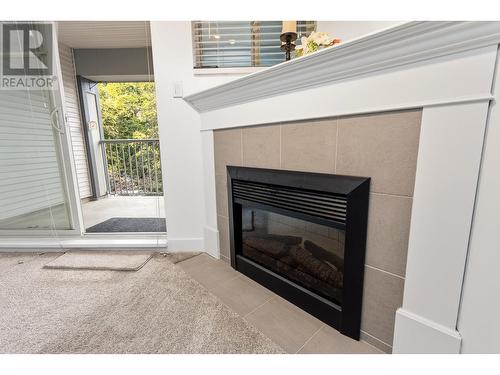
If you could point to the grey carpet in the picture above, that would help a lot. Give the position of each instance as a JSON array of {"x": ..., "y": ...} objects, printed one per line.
[
  {"x": 130, "y": 224},
  {"x": 98, "y": 260},
  {"x": 158, "y": 309}
]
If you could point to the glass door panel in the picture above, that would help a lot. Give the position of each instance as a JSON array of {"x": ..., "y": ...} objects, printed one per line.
[
  {"x": 33, "y": 186},
  {"x": 32, "y": 190}
]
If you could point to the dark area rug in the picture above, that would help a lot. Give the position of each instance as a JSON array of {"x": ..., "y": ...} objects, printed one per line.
[{"x": 130, "y": 224}]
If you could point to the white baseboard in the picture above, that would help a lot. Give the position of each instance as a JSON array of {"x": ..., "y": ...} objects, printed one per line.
[
  {"x": 176, "y": 245},
  {"x": 211, "y": 241},
  {"x": 97, "y": 242},
  {"x": 414, "y": 334}
]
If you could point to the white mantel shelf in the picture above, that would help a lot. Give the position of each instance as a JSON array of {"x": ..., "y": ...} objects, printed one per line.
[{"x": 402, "y": 45}]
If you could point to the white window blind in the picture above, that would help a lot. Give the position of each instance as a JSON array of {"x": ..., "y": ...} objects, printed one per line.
[{"x": 232, "y": 44}]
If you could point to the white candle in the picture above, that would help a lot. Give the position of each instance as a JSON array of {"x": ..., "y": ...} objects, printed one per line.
[{"x": 289, "y": 27}]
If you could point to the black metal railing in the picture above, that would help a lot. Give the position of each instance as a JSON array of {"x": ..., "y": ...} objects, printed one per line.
[{"x": 133, "y": 166}]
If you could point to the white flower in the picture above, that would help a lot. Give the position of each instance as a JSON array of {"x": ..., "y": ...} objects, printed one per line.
[
  {"x": 303, "y": 44},
  {"x": 321, "y": 38}
]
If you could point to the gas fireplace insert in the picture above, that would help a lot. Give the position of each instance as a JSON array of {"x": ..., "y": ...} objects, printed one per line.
[{"x": 303, "y": 236}]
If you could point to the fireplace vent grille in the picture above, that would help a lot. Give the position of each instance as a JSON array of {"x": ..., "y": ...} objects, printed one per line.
[{"x": 319, "y": 204}]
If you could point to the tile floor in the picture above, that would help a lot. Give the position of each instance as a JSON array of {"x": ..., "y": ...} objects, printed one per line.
[
  {"x": 95, "y": 212},
  {"x": 293, "y": 329}
]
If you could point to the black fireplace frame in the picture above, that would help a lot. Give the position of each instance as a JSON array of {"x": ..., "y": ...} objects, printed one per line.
[{"x": 355, "y": 190}]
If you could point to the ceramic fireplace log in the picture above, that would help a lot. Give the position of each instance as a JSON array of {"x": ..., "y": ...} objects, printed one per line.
[{"x": 316, "y": 267}]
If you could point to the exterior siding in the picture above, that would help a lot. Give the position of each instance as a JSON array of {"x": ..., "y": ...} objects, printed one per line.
[
  {"x": 73, "y": 118},
  {"x": 29, "y": 169}
]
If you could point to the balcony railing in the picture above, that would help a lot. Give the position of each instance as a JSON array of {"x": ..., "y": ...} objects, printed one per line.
[{"x": 133, "y": 166}]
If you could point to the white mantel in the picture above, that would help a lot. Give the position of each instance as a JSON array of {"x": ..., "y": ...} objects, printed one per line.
[
  {"x": 408, "y": 47},
  {"x": 445, "y": 68}
]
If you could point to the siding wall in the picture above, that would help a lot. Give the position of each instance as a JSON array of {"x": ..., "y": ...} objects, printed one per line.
[
  {"x": 74, "y": 122},
  {"x": 29, "y": 170}
]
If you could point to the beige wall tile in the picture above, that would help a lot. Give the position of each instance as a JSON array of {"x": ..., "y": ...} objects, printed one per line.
[
  {"x": 309, "y": 146},
  {"x": 383, "y": 147},
  {"x": 221, "y": 195},
  {"x": 382, "y": 296},
  {"x": 388, "y": 231},
  {"x": 223, "y": 227},
  {"x": 227, "y": 149},
  {"x": 261, "y": 146}
]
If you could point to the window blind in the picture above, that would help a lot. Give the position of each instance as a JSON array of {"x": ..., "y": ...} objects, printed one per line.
[{"x": 232, "y": 44}]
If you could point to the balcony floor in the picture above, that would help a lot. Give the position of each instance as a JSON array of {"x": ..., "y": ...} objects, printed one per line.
[{"x": 95, "y": 212}]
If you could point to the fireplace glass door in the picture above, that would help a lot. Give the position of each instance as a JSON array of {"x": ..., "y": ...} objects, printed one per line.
[{"x": 308, "y": 254}]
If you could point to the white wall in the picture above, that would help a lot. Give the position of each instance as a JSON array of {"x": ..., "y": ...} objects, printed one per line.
[
  {"x": 480, "y": 308},
  {"x": 347, "y": 30},
  {"x": 180, "y": 137}
]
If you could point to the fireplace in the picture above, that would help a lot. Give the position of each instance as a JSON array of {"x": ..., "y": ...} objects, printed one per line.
[{"x": 303, "y": 236}]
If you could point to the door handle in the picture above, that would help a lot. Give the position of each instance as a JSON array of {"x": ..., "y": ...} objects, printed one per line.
[{"x": 55, "y": 121}]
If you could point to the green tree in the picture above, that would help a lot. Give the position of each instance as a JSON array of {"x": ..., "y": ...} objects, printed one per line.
[{"x": 128, "y": 110}]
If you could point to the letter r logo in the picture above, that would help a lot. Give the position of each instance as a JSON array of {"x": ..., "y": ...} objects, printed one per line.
[{"x": 27, "y": 49}]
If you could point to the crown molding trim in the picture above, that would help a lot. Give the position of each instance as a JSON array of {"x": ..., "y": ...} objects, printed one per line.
[{"x": 393, "y": 48}]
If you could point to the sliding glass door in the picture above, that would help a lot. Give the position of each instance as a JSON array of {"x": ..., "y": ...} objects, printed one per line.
[{"x": 36, "y": 193}]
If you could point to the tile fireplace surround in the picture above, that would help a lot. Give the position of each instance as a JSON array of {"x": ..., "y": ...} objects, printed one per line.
[
  {"x": 407, "y": 106},
  {"x": 382, "y": 146}
]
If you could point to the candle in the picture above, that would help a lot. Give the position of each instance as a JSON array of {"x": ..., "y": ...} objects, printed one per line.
[{"x": 289, "y": 27}]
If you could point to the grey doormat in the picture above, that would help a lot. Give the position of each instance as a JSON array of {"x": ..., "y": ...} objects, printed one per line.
[
  {"x": 130, "y": 224},
  {"x": 159, "y": 309},
  {"x": 104, "y": 261}
]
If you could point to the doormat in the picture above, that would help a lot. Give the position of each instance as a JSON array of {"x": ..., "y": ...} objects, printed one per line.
[
  {"x": 130, "y": 224},
  {"x": 123, "y": 260}
]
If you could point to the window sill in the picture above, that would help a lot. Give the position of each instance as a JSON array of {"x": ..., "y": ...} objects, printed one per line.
[{"x": 226, "y": 71}]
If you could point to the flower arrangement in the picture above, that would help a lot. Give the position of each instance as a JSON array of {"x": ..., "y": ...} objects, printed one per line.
[{"x": 314, "y": 42}]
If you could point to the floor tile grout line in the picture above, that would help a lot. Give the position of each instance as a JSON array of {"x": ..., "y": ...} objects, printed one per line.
[
  {"x": 373, "y": 346},
  {"x": 241, "y": 145},
  {"x": 387, "y": 272},
  {"x": 258, "y": 307},
  {"x": 281, "y": 147},
  {"x": 375, "y": 338},
  {"x": 310, "y": 338},
  {"x": 219, "y": 284},
  {"x": 391, "y": 194},
  {"x": 336, "y": 146}
]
